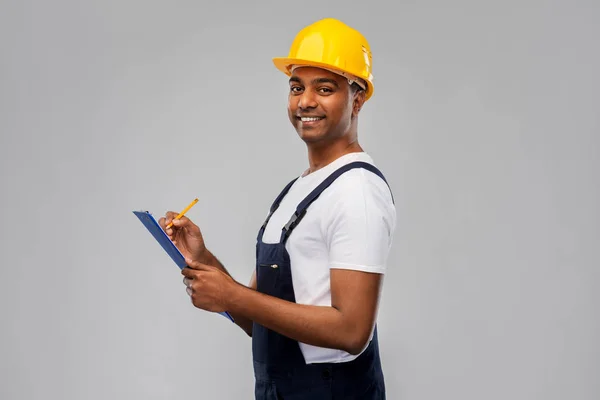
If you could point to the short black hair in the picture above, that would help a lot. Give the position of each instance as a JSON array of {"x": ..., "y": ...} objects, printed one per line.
[{"x": 355, "y": 87}]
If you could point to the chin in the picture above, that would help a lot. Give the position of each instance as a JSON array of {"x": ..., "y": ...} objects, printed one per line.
[{"x": 309, "y": 136}]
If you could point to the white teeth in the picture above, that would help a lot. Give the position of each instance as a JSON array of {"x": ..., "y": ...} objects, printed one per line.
[{"x": 308, "y": 119}]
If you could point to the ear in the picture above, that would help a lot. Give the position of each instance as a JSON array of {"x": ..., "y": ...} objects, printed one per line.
[{"x": 358, "y": 101}]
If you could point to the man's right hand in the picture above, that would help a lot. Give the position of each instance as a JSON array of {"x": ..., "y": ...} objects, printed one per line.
[{"x": 185, "y": 235}]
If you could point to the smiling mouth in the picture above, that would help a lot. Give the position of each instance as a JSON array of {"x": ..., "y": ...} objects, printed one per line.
[{"x": 310, "y": 119}]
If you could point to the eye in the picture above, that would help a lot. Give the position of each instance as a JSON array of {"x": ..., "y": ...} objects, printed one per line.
[
  {"x": 295, "y": 89},
  {"x": 325, "y": 90}
]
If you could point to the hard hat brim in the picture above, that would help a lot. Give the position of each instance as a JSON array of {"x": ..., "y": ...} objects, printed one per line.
[{"x": 284, "y": 63}]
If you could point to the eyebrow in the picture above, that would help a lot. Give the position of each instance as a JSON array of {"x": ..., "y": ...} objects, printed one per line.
[{"x": 316, "y": 81}]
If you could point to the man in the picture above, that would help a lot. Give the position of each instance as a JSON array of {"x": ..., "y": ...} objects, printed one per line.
[{"x": 311, "y": 305}]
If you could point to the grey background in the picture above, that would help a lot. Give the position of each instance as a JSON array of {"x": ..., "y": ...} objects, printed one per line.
[{"x": 484, "y": 119}]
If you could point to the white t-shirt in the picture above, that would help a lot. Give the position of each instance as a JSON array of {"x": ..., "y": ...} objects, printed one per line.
[{"x": 350, "y": 226}]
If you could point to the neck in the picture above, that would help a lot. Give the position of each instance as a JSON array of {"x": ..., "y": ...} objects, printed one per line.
[{"x": 322, "y": 154}]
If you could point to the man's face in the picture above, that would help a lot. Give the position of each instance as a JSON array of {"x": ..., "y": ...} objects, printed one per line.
[{"x": 320, "y": 104}]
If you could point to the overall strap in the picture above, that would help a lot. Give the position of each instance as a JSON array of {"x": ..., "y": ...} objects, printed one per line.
[
  {"x": 312, "y": 196},
  {"x": 277, "y": 201}
]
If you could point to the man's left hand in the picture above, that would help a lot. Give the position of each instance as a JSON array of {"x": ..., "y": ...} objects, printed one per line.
[{"x": 208, "y": 287}]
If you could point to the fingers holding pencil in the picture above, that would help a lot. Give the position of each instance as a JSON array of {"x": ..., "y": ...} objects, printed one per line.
[
  {"x": 181, "y": 214},
  {"x": 170, "y": 225},
  {"x": 167, "y": 220},
  {"x": 185, "y": 234},
  {"x": 185, "y": 224}
]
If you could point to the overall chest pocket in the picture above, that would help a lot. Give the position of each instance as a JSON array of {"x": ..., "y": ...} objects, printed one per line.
[{"x": 267, "y": 278}]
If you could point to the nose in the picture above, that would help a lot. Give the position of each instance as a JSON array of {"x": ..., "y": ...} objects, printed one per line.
[{"x": 307, "y": 100}]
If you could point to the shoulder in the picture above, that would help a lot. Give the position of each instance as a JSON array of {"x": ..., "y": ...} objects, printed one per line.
[
  {"x": 358, "y": 221},
  {"x": 361, "y": 184},
  {"x": 362, "y": 196}
]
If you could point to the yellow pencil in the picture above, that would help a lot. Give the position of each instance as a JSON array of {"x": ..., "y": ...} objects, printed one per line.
[{"x": 183, "y": 212}]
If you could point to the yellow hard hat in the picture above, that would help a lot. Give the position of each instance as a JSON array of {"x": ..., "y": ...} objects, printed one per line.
[{"x": 332, "y": 45}]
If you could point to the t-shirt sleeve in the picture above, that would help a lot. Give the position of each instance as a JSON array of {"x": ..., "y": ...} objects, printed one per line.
[{"x": 360, "y": 224}]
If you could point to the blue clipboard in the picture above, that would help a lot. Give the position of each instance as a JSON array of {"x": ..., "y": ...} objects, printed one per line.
[{"x": 161, "y": 237}]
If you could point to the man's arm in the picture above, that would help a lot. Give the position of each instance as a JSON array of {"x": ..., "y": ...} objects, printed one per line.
[{"x": 345, "y": 325}]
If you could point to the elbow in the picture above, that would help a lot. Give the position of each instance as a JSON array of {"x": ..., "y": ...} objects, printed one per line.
[{"x": 357, "y": 343}]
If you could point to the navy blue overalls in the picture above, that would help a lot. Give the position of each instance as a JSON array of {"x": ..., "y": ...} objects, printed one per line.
[{"x": 279, "y": 367}]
